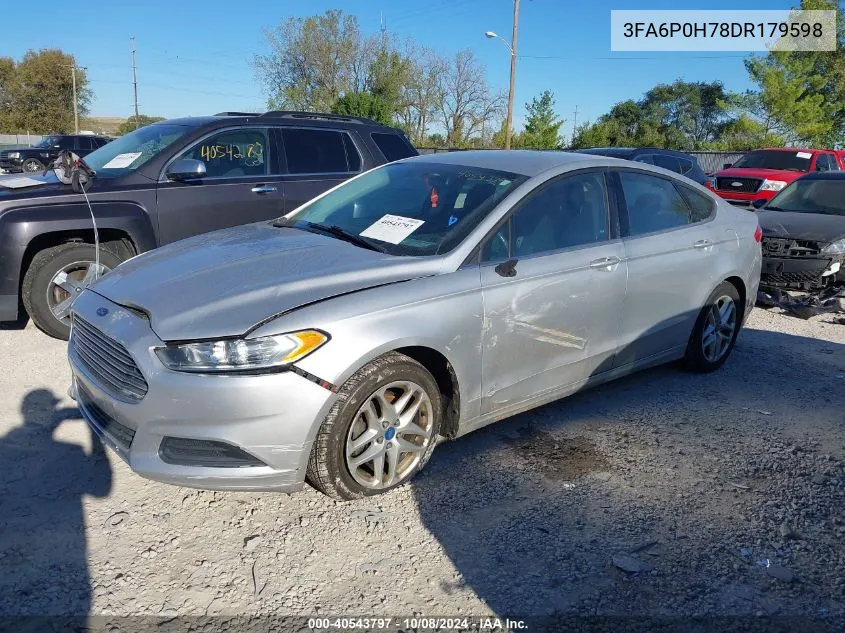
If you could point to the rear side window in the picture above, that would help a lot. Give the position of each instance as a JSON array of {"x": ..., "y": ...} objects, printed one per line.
[
  {"x": 701, "y": 207},
  {"x": 86, "y": 143},
  {"x": 393, "y": 146},
  {"x": 319, "y": 152},
  {"x": 653, "y": 203},
  {"x": 667, "y": 162}
]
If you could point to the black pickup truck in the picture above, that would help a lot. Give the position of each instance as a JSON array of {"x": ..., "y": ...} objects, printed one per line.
[{"x": 168, "y": 181}]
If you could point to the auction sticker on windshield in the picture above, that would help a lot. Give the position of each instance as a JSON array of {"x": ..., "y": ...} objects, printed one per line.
[
  {"x": 804, "y": 155},
  {"x": 122, "y": 160},
  {"x": 392, "y": 228}
]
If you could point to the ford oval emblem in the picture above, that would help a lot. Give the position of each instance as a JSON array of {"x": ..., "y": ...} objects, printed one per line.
[
  {"x": 102, "y": 311},
  {"x": 736, "y": 184}
]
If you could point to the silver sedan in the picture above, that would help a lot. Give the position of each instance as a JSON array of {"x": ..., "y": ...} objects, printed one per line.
[{"x": 416, "y": 302}]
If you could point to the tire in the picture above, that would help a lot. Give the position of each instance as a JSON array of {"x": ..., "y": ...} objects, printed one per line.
[
  {"x": 38, "y": 282},
  {"x": 328, "y": 468},
  {"x": 31, "y": 165},
  {"x": 703, "y": 358}
]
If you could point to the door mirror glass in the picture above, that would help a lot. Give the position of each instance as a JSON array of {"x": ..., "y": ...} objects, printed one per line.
[{"x": 186, "y": 169}]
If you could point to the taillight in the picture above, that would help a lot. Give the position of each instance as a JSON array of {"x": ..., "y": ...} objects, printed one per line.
[{"x": 758, "y": 234}]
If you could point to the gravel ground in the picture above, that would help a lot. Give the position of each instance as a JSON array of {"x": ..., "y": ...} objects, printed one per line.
[{"x": 661, "y": 494}]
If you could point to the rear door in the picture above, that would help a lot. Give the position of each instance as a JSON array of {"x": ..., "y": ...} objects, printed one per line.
[
  {"x": 670, "y": 245},
  {"x": 315, "y": 160},
  {"x": 241, "y": 185}
]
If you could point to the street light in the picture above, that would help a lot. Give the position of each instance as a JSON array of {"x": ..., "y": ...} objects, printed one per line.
[{"x": 512, "y": 50}]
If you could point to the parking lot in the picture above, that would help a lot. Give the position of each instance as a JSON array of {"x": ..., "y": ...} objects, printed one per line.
[{"x": 664, "y": 493}]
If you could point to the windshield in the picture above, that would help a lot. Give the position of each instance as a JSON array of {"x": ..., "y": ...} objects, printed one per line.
[
  {"x": 811, "y": 196},
  {"x": 776, "y": 159},
  {"x": 47, "y": 141},
  {"x": 129, "y": 152},
  {"x": 414, "y": 208}
]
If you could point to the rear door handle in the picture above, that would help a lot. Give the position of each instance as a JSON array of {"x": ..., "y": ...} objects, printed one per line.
[
  {"x": 702, "y": 244},
  {"x": 263, "y": 189},
  {"x": 604, "y": 263}
]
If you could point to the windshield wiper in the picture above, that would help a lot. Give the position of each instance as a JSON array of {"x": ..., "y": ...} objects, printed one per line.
[{"x": 344, "y": 235}]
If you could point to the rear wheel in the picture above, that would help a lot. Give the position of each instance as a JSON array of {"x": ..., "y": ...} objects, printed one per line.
[
  {"x": 380, "y": 432},
  {"x": 55, "y": 277},
  {"x": 715, "y": 331},
  {"x": 31, "y": 165}
]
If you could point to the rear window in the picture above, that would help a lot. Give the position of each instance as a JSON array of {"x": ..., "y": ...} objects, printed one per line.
[
  {"x": 667, "y": 162},
  {"x": 393, "y": 146},
  {"x": 311, "y": 151}
]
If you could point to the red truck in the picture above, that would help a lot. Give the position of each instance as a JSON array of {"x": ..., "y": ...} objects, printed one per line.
[{"x": 761, "y": 174}]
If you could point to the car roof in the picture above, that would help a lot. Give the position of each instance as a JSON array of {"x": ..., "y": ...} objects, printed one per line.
[
  {"x": 310, "y": 119},
  {"x": 824, "y": 175},
  {"x": 520, "y": 161}
]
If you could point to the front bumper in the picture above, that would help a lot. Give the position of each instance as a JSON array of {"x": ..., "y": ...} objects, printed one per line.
[
  {"x": 273, "y": 417},
  {"x": 11, "y": 165},
  {"x": 743, "y": 199},
  {"x": 798, "y": 273}
]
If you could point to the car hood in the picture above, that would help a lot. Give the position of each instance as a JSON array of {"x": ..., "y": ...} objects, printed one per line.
[
  {"x": 771, "y": 174},
  {"x": 224, "y": 283},
  {"x": 815, "y": 227},
  {"x": 49, "y": 185}
]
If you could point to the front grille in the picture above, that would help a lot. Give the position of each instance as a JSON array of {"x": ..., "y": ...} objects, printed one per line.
[
  {"x": 123, "y": 435},
  {"x": 785, "y": 247},
  {"x": 107, "y": 361},
  {"x": 746, "y": 185},
  {"x": 811, "y": 277}
]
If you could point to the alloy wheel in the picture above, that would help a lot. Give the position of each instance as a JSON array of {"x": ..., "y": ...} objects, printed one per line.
[
  {"x": 719, "y": 328},
  {"x": 67, "y": 284}
]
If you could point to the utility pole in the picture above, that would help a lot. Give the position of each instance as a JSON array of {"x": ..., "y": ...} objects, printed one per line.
[
  {"x": 575, "y": 124},
  {"x": 135, "y": 82},
  {"x": 75, "y": 105},
  {"x": 513, "y": 74}
]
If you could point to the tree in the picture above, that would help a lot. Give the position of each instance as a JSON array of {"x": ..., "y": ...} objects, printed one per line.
[
  {"x": 745, "y": 133},
  {"x": 129, "y": 124},
  {"x": 422, "y": 92},
  {"x": 542, "y": 125},
  {"x": 802, "y": 94},
  {"x": 36, "y": 94},
  {"x": 314, "y": 61},
  {"x": 366, "y": 105},
  {"x": 686, "y": 114},
  {"x": 466, "y": 107}
]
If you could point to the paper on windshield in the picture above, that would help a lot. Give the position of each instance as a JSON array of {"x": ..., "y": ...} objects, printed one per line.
[
  {"x": 20, "y": 181},
  {"x": 122, "y": 160},
  {"x": 804, "y": 155},
  {"x": 392, "y": 228}
]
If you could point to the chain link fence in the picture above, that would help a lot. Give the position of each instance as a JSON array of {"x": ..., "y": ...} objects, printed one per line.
[{"x": 710, "y": 162}]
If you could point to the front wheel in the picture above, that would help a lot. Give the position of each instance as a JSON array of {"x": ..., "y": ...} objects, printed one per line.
[
  {"x": 55, "y": 277},
  {"x": 380, "y": 432},
  {"x": 715, "y": 331},
  {"x": 32, "y": 165}
]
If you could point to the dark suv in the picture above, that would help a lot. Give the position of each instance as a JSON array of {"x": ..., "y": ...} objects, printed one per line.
[
  {"x": 34, "y": 159},
  {"x": 168, "y": 181},
  {"x": 679, "y": 162}
]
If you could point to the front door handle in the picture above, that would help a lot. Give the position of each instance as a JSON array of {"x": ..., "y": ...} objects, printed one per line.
[
  {"x": 263, "y": 189},
  {"x": 604, "y": 263},
  {"x": 702, "y": 244}
]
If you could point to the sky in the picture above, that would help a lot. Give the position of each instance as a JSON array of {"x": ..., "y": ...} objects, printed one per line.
[{"x": 195, "y": 58}]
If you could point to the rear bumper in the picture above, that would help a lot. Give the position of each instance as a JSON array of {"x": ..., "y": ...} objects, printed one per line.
[{"x": 272, "y": 417}]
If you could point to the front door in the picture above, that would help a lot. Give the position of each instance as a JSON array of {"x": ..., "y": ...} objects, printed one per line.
[
  {"x": 553, "y": 283},
  {"x": 241, "y": 185}
]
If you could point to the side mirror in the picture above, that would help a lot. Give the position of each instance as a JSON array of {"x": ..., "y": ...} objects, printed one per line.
[
  {"x": 759, "y": 203},
  {"x": 186, "y": 169},
  {"x": 727, "y": 165}
]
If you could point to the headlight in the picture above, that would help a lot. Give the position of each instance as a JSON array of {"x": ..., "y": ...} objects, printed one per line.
[
  {"x": 234, "y": 355},
  {"x": 773, "y": 185},
  {"x": 14, "y": 154},
  {"x": 836, "y": 248}
]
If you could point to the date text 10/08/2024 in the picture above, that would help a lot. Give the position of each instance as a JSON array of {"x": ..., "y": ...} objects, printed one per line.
[{"x": 417, "y": 623}]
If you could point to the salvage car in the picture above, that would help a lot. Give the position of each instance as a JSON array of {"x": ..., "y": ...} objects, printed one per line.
[
  {"x": 760, "y": 174},
  {"x": 421, "y": 300},
  {"x": 35, "y": 159},
  {"x": 804, "y": 234},
  {"x": 167, "y": 181},
  {"x": 673, "y": 160}
]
